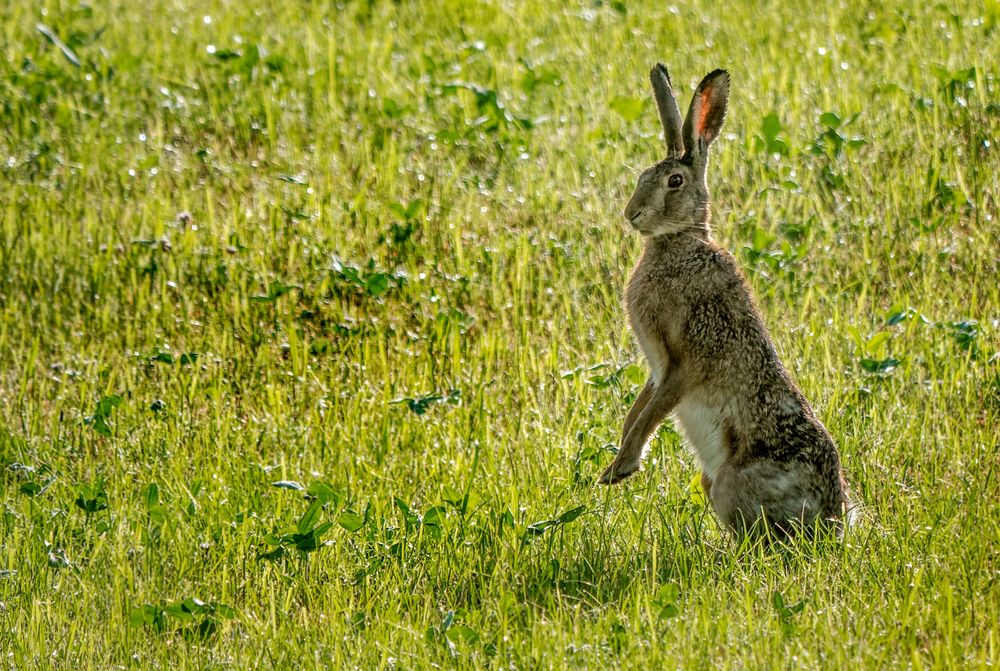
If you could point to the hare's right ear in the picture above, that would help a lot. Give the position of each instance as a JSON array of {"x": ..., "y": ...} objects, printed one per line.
[
  {"x": 707, "y": 113},
  {"x": 670, "y": 114}
]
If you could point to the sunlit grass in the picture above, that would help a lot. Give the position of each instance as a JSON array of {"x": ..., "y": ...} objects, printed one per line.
[{"x": 376, "y": 253}]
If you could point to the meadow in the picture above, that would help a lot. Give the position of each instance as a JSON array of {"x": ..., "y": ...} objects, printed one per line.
[{"x": 312, "y": 344}]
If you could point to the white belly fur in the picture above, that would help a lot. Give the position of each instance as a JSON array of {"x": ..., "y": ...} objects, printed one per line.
[{"x": 702, "y": 427}]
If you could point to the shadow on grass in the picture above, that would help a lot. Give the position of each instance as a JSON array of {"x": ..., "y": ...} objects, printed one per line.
[{"x": 599, "y": 567}]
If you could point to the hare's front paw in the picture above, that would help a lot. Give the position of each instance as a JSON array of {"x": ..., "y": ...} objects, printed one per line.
[{"x": 618, "y": 470}]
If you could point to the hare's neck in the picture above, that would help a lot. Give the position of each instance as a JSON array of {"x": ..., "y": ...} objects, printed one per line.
[{"x": 673, "y": 243}]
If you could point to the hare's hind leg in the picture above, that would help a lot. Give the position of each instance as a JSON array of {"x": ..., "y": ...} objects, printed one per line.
[
  {"x": 657, "y": 402},
  {"x": 761, "y": 493},
  {"x": 706, "y": 484}
]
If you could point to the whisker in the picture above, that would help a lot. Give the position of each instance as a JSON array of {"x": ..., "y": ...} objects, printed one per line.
[
  {"x": 682, "y": 224},
  {"x": 630, "y": 169},
  {"x": 694, "y": 237}
]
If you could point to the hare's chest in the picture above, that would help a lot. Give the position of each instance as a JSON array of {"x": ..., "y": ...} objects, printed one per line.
[{"x": 650, "y": 319}]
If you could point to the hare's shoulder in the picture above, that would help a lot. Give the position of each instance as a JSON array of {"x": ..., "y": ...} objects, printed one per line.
[
  {"x": 722, "y": 265},
  {"x": 710, "y": 264}
]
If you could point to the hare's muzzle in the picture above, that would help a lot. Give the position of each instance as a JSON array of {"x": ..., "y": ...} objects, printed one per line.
[
  {"x": 633, "y": 218},
  {"x": 634, "y": 207}
]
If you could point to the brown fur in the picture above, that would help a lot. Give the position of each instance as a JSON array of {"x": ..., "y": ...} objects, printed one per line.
[{"x": 763, "y": 452}]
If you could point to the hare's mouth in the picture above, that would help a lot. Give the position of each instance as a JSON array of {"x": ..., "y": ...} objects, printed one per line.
[{"x": 634, "y": 221}]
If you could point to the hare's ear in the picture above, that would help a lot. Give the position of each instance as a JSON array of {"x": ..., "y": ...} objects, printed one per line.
[
  {"x": 707, "y": 112},
  {"x": 670, "y": 114}
]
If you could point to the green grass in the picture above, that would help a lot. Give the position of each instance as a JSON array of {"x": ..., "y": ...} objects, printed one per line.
[{"x": 362, "y": 232}]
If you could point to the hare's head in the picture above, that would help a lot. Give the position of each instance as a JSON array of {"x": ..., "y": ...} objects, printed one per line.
[{"x": 672, "y": 196}]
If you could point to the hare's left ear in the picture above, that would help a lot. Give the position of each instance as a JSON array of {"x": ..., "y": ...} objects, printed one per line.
[
  {"x": 670, "y": 115},
  {"x": 707, "y": 113}
]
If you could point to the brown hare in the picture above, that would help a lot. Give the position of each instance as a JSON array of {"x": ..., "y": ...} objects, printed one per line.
[{"x": 763, "y": 453}]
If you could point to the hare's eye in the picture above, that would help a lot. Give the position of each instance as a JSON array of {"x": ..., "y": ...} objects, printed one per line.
[{"x": 675, "y": 181}]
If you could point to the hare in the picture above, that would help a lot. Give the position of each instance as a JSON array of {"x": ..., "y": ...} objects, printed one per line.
[{"x": 763, "y": 452}]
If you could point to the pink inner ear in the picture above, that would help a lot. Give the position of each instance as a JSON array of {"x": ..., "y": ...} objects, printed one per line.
[{"x": 703, "y": 111}]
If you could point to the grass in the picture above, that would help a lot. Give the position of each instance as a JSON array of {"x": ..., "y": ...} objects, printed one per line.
[{"x": 374, "y": 253}]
